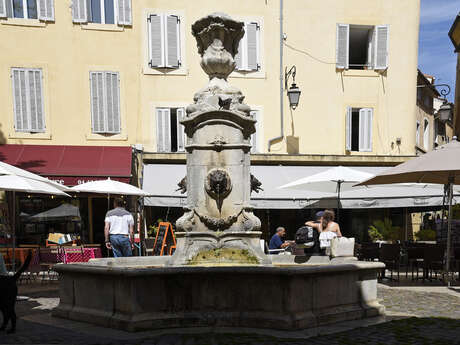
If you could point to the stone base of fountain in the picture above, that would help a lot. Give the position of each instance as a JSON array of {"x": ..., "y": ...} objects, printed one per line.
[{"x": 143, "y": 293}]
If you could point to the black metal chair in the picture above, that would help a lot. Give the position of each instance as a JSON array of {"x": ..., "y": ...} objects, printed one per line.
[
  {"x": 433, "y": 260},
  {"x": 414, "y": 259},
  {"x": 390, "y": 255},
  {"x": 369, "y": 252}
]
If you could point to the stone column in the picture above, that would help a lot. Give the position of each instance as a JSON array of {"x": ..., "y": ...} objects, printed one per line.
[{"x": 218, "y": 225}]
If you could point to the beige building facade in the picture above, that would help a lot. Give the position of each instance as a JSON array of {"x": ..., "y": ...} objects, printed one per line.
[{"x": 85, "y": 73}]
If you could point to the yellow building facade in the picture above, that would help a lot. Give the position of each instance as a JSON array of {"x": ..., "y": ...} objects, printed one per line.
[{"x": 121, "y": 76}]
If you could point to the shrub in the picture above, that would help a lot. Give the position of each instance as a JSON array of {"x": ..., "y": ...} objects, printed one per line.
[
  {"x": 426, "y": 235},
  {"x": 384, "y": 230}
]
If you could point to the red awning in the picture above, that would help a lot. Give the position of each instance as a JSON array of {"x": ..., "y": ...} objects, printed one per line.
[{"x": 71, "y": 165}]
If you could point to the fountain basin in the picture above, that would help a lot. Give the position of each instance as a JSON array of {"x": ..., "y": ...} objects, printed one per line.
[{"x": 136, "y": 294}]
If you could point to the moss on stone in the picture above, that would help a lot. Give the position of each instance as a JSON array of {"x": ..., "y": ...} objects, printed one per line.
[{"x": 224, "y": 256}]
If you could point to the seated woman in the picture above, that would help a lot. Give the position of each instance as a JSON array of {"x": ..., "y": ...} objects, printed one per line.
[{"x": 327, "y": 228}]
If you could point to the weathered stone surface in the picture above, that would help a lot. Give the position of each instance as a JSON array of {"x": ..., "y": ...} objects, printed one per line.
[{"x": 289, "y": 297}]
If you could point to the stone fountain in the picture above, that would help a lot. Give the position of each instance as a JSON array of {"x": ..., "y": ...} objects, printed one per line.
[{"x": 219, "y": 275}]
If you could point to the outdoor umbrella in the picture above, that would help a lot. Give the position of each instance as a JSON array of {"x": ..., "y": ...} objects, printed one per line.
[
  {"x": 19, "y": 180},
  {"x": 441, "y": 166},
  {"x": 109, "y": 187},
  {"x": 332, "y": 180},
  {"x": 63, "y": 211}
]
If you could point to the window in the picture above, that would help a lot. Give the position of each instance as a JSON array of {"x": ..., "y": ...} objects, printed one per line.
[
  {"x": 426, "y": 134},
  {"x": 28, "y": 100},
  {"x": 362, "y": 46},
  {"x": 248, "y": 57},
  {"x": 170, "y": 133},
  {"x": 164, "y": 41},
  {"x": 102, "y": 11},
  {"x": 256, "y": 138},
  {"x": 417, "y": 133},
  {"x": 359, "y": 129},
  {"x": 105, "y": 102},
  {"x": 27, "y": 9}
]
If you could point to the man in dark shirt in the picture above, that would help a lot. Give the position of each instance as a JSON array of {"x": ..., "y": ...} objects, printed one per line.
[{"x": 276, "y": 242}]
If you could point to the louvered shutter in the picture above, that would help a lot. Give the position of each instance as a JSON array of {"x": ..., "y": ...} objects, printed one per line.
[
  {"x": 3, "y": 13},
  {"x": 381, "y": 46},
  {"x": 20, "y": 100},
  {"x": 9, "y": 9},
  {"x": 417, "y": 133},
  {"x": 97, "y": 102},
  {"x": 163, "y": 130},
  {"x": 254, "y": 141},
  {"x": 172, "y": 41},
  {"x": 348, "y": 129},
  {"x": 124, "y": 12},
  {"x": 46, "y": 10},
  {"x": 79, "y": 11},
  {"x": 181, "y": 139},
  {"x": 342, "y": 46},
  {"x": 371, "y": 49},
  {"x": 252, "y": 33},
  {"x": 365, "y": 130},
  {"x": 112, "y": 101},
  {"x": 239, "y": 56},
  {"x": 37, "y": 121},
  {"x": 156, "y": 41}
]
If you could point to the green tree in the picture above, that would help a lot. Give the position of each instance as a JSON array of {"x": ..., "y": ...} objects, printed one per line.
[{"x": 384, "y": 230}]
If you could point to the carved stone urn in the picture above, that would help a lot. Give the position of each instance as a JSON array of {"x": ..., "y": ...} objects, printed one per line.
[{"x": 218, "y": 225}]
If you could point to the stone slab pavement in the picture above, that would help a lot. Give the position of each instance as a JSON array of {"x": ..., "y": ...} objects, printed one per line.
[{"x": 415, "y": 315}]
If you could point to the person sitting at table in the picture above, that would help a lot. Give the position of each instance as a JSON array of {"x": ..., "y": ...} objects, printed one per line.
[
  {"x": 327, "y": 228},
  {"x": 277, "y": 243}
]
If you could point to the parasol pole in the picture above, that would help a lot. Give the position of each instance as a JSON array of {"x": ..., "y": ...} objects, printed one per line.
[
  {"x": 449, "y": 227},
  {"x": 339, "y": 182},
  {"x": 13, "y": 228}
]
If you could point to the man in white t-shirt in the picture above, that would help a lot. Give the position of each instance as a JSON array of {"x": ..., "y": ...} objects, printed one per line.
[{"x": 119, "y": 230}]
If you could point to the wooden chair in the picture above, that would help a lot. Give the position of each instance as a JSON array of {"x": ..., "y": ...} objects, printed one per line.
[
  {"x": 369, "y": 251},
  {"x": 390, "y": 255},
  {"x": 433, "y": 260},
  {"x": 414, "y": 259}
]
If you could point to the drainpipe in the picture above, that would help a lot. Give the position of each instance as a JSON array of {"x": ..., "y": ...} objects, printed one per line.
[{"x": 281, "y": 136}]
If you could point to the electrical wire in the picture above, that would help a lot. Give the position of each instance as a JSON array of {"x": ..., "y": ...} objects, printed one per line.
[{"x": 308, "y": 54}]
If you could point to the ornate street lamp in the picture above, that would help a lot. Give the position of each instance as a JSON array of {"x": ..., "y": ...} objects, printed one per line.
[
  {"x": 294, "y": 91},
  {"x": 445, "y": 112}
]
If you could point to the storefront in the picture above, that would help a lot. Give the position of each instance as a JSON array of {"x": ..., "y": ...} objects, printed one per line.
[
  {"x": 292, "y": 207},
  {"x": 81, "y": 215}
]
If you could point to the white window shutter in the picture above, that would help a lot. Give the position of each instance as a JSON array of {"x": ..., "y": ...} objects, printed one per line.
[
  {"x": 164, "y": 130},
  {"x": 97, "y": 102},
  {"x": 371, "y": 49},
  {"x": 124, "y": 12},
  {"x": 381, "y": 46},
  {"x": 348, "y": 129},
  {"x": 46, "y": 10},
  {"x": 181, "y": 139},
  {"x": 20, "y": 100},
  {"x": 3, "y": 13},
  {"x": 172, "y": 41},
  {"x": 342, "y": 46},
  {"x": 254, "y": 141},
  {"x": 239, "y": 56},
  {"x": 252, "y": 33},
  {"x": 79, "y": 11},
  {"x": 112, "y": 101},
  {"x": 365, "y": 129},
  {"x": 156, "y": 41},
  {"x": 37, "y": 123},
  {"x": 417, "y": 133}
]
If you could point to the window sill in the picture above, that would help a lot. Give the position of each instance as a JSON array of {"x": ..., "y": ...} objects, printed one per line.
[
  {"x": 106, "y": 137},
  {"x": 23, "y": 22},
  {"x": 102, "y": 27},
  {"x": 361, "y": 73},
  {"x": 28, "y": 135},
  {"x": 165, "y": 71},
  {"x": 248, "y": 74}
]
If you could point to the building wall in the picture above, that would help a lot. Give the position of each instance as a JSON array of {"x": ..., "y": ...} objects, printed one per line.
[{"x": 67, "y": 52}]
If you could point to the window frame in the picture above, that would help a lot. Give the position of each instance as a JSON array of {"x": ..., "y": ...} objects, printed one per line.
[
  {"x": 147, "y": 69},
  {"x": 102, "y": 4},
  {"x": 106, "y": 115},
  {"x": 362, "y": 121},
  {"x": 179, "y": 129},
  {"x": 43, "y": 15},
  {"x": 259, "y": 134},
  {"x": 26, "y": 71}
]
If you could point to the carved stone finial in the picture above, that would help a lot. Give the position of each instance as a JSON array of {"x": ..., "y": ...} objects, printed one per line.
[{"x": 217, "y": 37}]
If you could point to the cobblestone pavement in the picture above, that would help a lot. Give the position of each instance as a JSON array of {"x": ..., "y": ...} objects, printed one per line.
[{"x": 437, "y": 322}]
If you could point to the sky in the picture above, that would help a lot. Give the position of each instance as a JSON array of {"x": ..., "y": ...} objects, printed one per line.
[{"x": 436, "y": 53}]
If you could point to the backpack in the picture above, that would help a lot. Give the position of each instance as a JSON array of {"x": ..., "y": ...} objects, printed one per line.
[{"x": 305, "y": 236}]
